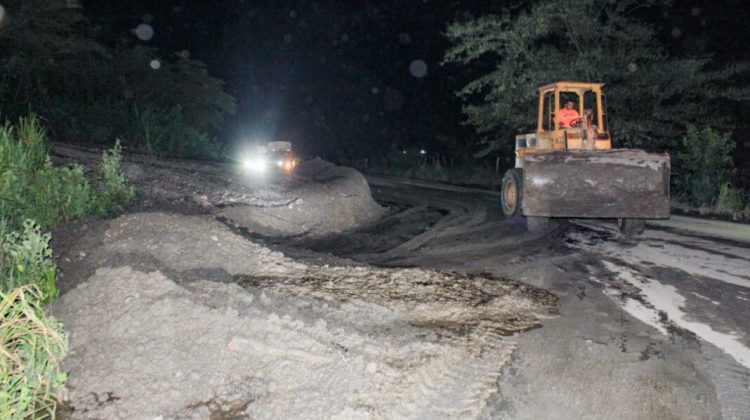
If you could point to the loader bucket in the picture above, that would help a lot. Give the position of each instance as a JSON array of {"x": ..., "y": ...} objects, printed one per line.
[{"x": 615, "y": 183}]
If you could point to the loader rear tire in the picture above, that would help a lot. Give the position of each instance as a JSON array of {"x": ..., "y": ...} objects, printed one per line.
[
  {"x": 631, "y": 227},
  {"x": 511, "y": 195}
]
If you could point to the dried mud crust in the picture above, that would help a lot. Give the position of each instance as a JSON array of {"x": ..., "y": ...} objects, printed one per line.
[
  {"x": 459, "y": 303},
  {"x": 291, "y": 340}
]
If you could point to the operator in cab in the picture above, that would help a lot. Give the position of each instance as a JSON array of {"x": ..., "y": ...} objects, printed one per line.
[{"x": 568, "y": 115}]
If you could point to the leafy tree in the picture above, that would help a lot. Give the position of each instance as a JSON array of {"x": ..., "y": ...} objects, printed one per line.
[
  {"x": 704, "y": 166},
  {"x": 51, "y": 63},
  {"x": 42, "y": 48},
  {"x": 651, "y": 96}
]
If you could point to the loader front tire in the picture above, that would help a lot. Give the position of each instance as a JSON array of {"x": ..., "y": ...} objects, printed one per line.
[{"x": 511, "y": 195}]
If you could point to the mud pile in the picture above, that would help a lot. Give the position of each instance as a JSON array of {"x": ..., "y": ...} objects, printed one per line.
[
  {"x": 177, "y": 316},
  {"x": 317, "y": 199},
  {"x": 324, "y": 199}
]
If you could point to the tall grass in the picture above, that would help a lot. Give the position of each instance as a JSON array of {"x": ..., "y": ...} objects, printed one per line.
[{"x": 31, "y": 348}]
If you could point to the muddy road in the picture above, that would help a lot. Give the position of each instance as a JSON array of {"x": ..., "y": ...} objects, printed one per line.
[
  {"x": 657, "y": 327},
  {"x": 437, "y": 307}
]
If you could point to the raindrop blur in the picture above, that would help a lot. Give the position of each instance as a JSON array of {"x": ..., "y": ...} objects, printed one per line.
[
  {"x": 293, "y": 14},
  {"x": 418, "y": 68},
  {"x": 344, "y": 38},
  {"x": 2, "y": 14},
  {"x": 703, "y": 22},
  {"x": 155, "y": 64},
  {"x": 632, "y": 67},
  {"x": 375, "y": 91},
  {"x": 676, "y": 32},
  {"x": 696, "y": 11},
  {"x": 288, "y": 38},
  {"x": 404, "y": 38},
  {"x": 144, "y": 32},
  {"x": 185, "y": 53}
]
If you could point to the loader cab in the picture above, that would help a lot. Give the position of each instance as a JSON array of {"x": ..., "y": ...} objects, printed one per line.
[{"x": 590, "y": 104}]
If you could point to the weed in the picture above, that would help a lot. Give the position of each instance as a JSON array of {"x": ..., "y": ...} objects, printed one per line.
[
  {"x": 26, "y": 259},
  {"x": 115, "y": 189}
]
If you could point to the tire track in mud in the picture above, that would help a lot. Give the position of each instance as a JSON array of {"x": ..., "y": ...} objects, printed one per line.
[{"x": 475, "y": 313}]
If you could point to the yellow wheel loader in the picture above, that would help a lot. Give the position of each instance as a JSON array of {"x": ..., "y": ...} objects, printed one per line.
[{"x": 568, "y": 168}]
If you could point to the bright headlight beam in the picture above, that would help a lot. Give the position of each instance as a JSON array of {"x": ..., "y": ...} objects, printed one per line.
[{"x": 254, "y": 164}]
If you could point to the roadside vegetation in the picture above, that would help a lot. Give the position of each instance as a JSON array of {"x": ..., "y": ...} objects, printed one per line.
[
  {"x": 704, "y": 174},
  {"x": 34, "y": 196}
]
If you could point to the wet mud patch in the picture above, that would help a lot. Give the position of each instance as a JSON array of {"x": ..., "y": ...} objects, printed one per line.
[
  {"x": 390, "y": 231},
  {"x": 457, "y": 302}
]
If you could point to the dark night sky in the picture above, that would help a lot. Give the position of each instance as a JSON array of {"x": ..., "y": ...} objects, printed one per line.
[{"x": 336, "y": 74}]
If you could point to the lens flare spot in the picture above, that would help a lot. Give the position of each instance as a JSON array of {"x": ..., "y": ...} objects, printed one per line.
[
  {"x": 144, "y": 32},
  {"x": 418, "y": 68}
]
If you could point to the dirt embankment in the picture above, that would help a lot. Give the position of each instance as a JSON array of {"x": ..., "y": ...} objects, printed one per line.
[
  {"x": 178, "y": 316},
  {"x": 317, "y": 199}
]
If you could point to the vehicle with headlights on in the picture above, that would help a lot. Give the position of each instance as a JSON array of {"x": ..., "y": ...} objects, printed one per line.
[
  {"x": 276, "y": 156},
  {"x": 281, "y": 156}
]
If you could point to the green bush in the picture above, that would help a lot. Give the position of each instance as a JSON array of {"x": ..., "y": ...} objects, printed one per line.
[
  {"x": 31, "y": 348},
  {"x": 730, "y": 199},
  {"x": 26, "y": 259},
  {"x": 32, "y": 188},
  {"x": 703, "y": 167},
  {"x": 115, "y": 189}
]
